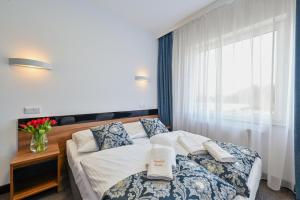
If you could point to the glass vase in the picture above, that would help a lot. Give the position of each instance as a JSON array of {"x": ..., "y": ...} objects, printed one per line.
[{"x": 39, "y": 143}]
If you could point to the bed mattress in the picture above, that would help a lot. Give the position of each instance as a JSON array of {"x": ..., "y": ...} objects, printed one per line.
[{"x": 87, "y": 192}]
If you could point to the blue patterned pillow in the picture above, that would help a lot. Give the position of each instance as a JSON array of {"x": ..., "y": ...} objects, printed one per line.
[
  {"x": 111, "y": 136},
  {"x": 153, "y": 126}
]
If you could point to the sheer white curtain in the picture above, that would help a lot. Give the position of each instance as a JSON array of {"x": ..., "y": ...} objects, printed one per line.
[{"x": 233, "y": 80}]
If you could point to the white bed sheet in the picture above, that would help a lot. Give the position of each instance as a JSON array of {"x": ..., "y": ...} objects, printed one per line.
[
  {"x": 80, "y": 177},
  {"x": 87, "y": 192}
]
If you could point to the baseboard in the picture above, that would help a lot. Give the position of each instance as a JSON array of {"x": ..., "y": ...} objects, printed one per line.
[{"x": 4, "y": 189}]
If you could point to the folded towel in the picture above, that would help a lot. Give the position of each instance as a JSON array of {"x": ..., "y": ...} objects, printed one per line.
[
  {"x": 218, "y": 153},
  {"x": 160, "y": 164},
  {"x": 163, "y": 139},
  {"x": 193, "y": 146},
  {"x": 156, "y": 147}
]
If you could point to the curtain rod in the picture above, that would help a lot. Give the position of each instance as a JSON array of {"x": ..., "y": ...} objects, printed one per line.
[{"x": 214, "y": 5}]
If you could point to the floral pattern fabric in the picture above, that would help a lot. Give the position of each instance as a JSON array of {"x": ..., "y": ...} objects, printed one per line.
[
  {"x": 111, "y": 136},
  {"x": 236, "y": 173},
  {"x": 191, "y": 181},
  {"x": 153, "y": 126}
]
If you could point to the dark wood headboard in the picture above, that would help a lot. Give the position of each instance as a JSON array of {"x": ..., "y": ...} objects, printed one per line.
[{"x": 67, "y": 125}]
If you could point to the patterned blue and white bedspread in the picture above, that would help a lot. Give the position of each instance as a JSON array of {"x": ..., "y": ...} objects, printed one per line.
[
  {"x": 236, "y": 173},
  {"x": 191, "y": 181}
]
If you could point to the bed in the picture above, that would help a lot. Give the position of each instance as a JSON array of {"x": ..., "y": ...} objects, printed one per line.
[{"x": 85, "y": 188}]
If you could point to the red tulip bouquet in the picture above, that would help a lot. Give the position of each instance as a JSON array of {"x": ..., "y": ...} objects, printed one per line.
[{"x": 38, "y": 128}]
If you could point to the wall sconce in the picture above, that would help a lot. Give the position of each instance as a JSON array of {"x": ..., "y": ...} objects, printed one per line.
[
  {"x": 140, "y": 77},
  {"x": 23, "y": 62}
]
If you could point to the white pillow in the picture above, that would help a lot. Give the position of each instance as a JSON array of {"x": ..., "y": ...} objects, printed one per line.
[
  {"x": 135, "y": 130},
  {"x": 85, "y": 141}
]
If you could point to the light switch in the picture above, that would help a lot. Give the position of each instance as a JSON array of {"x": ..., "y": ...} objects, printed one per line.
[{"x": 32, "y": 110}]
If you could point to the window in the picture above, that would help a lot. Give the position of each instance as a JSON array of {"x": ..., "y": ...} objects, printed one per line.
[{"x": 242, "y": 79}]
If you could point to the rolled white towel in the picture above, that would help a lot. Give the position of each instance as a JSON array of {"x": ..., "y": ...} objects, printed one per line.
[
  {"x": 218, "y": 153},
  {"x": 193, "y": 146},
  {"x": 161, "y": 160}
]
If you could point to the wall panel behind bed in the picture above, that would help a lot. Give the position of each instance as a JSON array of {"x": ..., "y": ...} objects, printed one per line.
[{"x": 67, "y": 125}]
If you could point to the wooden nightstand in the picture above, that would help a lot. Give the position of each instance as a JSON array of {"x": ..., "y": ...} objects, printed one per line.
[{"x": 31, "y": 173}]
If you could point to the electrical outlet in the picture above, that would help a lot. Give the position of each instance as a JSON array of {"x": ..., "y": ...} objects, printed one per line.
[{"x": 32, "y": 110}]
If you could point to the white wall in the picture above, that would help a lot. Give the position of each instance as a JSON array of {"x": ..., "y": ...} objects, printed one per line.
[{"x": 94, "y": 57}]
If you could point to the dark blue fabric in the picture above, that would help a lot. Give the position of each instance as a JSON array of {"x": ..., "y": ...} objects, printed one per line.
[
  {"x": 164, "y": 78},
  {"x": 235, "y": 173},
  {"x": 297, "y": 104},
  {"x": 190, "y": 182}
]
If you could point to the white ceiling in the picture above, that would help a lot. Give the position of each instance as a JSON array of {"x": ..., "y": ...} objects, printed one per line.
[{"x": 155, "y": 16}]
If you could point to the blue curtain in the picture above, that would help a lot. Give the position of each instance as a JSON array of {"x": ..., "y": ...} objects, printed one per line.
[
  {"x": 164, "y": 78},
  {"x": 297, "y": 104}
]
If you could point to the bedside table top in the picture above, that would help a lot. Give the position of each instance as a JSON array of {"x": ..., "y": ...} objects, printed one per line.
[{"x": 25, "y": 156}]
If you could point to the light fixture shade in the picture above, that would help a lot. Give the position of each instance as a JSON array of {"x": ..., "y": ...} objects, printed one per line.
[
  {"x": 139, "y": 77},
  {"x": 29, "y": 63}
]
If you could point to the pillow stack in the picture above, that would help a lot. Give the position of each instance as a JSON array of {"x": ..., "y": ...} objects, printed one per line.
[
  {"x": 116, "y": 134},
  {"x": 111, "y": 136},
  {"x": 153, "y": 126}
]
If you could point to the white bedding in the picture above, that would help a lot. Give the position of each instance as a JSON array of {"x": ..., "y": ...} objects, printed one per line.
[
  {"x": 80, "y": 177},
  {"x": 106, "y": 174}
]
